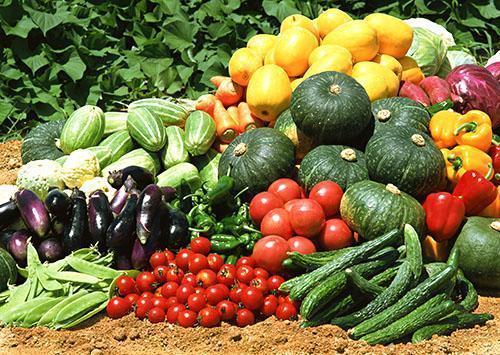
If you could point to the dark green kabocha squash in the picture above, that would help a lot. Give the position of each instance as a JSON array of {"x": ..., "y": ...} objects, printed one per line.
[
  {"x": 338, "y": 163},
  {"x": 400, "y": 112},
  {"x": 407, "y": 158},
  {"x": 285, "y": 124},
  {"x": 256, "y": 158},
  {"x": 331, "y": 108},
  {"x": 42, "y": 142}
]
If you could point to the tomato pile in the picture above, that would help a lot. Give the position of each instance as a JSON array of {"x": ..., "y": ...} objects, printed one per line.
[{"x": 196, "y": 287}]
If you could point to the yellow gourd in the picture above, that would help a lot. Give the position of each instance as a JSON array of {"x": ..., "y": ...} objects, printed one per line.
[
  {"x": 269, "y": 59},
  {"x": 243, "y": 63},
  {"x": 330, "y": 20},
  {"x": 262, "y": 43},
  {"x": 298, "y": 20},
  {"x": 411, "y": 71},
  {"x": 329, "y": 50},
  {"x": 293, "y": 49},
  {"x": 269, "y": 92},
  {"x": 358, "y": 37},
  {"x": 296, "y": 83},
  {"x": 373, "y": 77},
  {"x": 394, "y": 35},
  {"x": 390, "y": 63},
  {"x": 330, "y": 63}
]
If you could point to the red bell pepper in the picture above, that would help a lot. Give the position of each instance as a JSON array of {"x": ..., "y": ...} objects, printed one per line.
[
  {"x": 444, "y": 214},
  {"x": 494, "y": 153},
  {"x": 475, "y": 191}
]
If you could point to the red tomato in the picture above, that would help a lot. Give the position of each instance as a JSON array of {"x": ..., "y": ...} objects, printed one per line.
[
  {"x": 215, "y": 261},
  {"x": 245, "y": 260},
  {"x": 252, "y": 298},
  {"x": 196, "y": 302},
  {"x": 197, "y": 262},
  {"x": 286, "y": 189},
  {"x": 328, "y": 194},
  {"x": 172, "y": 301},
  {"x": 147, "y": 294},
  {"x": 125, "y": 285},
  {"x": 274, "y": 282},
  {"x": 335, "y": 235},
  {"x": 227, "y": 310},
  {"x": 209, "y": 317},
  {"x": 307, "y": 218},
  {"x": 277, "y": 222},
  {"x": 201, "y": 245},
  {"x": 286, "y": 311},
  {"x": 206, "y": 277},
  {"x": 146, "y": 281},
  {"x": 182, "y": 258},
  {"x": 143, "y": 305},
  {"x": 226, "y": 275},
  {"x": 244, "y": 274},
  {"x": 170, "y": 255},
  {"x": 187, "y": 318},
  {"x": 215, "y": 294},
  {"x": 169, "y": 289},
  {"x": 160, "y": 273},
  {"x": 258, "y": 271},
  {"x": 132, "y": 298},
  {"x": 288, "y": 206},
  {"x": 158, "y": 258},
  {"x": 301, "y": 245},
  {"x": 117, "y": 307},
  {"x": 156, "y": 315},
  {"x": 189, "y": 279},
  {"x": 235, "y": 293},
  {"x": 160, "y": 302},
  {"x": 183, "y": 293},
  {"x": 269, "y": 252},
  {"x": 175, "y": 275},
  {"x": 261, "y": 204},
  {"x": 244, "y": 317},
  {"x": 260, "y": 283},
  {"x": 199, "y": 290},
  {"x": 173, "y": 313},
  {"x": 269, "y": 305}
]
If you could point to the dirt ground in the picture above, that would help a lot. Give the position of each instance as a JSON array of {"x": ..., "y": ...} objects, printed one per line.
[{"x": 129, "y": 335}]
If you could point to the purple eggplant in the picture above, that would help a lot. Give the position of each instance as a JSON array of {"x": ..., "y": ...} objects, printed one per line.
[
  {"x": 8, "y": 214},
  {"x": 122, "y": 261},
  {"x": 169, "y": 193},
  {"x": 147, "y": 207},
  {"x": 100, "y": 218},
  {"x": 75, "y": 231},
  {"x": 120, "y": 233},
  {"x": 33, "y": 212},
  {"x": 18, "y": 246},
  {"x": 5, "y": 236},
  {"x": 121, "y": 195},
  {"x": 140, "y": 175},
  {"x": 139, "y": 256},
  {"x": 58, "y": 204},
  {"x": 50, "y": 250}
]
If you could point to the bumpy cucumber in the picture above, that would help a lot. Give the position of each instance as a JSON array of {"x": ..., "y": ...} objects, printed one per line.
[
  {"x": 385, "y": 277},
  {"x": 470, "y": 301},
  {"x": 363, "y": 285}
]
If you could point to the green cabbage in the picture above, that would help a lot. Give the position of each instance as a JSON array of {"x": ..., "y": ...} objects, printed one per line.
[{"x": 428, "y": 50}]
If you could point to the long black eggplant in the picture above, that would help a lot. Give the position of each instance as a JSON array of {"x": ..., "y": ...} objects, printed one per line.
[
  {"x": 147, "y": 208},
  {"x": 178, "y": 229},
  {"x": 75, "y": 231},
  {"x": 58, "y": 204},
  {"x": 169, "y": 193},
  {"x": 120, "y": 233},
  {"x": 33, "y": 212},
  {"x": 100, "y": 218},
  {"x": 121, "y": 195},
  {"x": 140, "y": 175},
  {"x": 9, "y": 213}
]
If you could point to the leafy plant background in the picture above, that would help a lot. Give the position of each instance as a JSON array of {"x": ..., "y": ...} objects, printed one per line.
[{"x": 57, "y": 55}]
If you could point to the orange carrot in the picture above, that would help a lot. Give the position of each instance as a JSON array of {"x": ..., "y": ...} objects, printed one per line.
[
  {"x": 227, "y": 128},
  {"x": 206, "y": 103},
  {"x": 219, "y": 146},
  {"x": 246, "y": 120},
  {"x": 229, "y": 92},
  {"x": 218, "y": 79},
  {"x": 233, "y": 111}
]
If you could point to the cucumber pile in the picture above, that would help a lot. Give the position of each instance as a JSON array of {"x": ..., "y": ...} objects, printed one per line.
[{"x": 383, "y": 293}]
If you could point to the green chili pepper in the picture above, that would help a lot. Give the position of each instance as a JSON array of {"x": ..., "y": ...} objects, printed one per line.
[
  {"x": 224, "y": 242},
  {"x": 232, "y": 259},
  {"x": 221, "y": 191}
]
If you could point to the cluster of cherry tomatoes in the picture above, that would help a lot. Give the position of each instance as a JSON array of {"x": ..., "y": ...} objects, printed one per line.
[
  {"x": 196, "y": 287},
  {"x": 290, "y": 221}
]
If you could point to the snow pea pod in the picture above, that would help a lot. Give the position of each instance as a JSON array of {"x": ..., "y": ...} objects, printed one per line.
[
  {"x": 38, "y": 311},
  {"x": 47, "y": 283},
  {"x": 79, "y": 307},
  {"x": 15, "y": 313},
  {"x": 89, "y": 268},
  {"x": 48, "y": 318},
  {"x": 71, "y": 276},
  {"x": 85, "y": 316}
]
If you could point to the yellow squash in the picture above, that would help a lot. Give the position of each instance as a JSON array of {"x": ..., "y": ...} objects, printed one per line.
[
  {"x": 330, "y": 63},
  {"x": 293, "y": 49},
  {"x": 298, "y": 20},
  {"x": 262, "y": 43},
  {"x": 269, "y": 59},
  {"x": 394, "y": 35},
  {"x": 411, "y": 70},
  {"x": 243, "y": 63},
  {"x": 269, "y": 92},
  {"x": 378, "y": 81},
  {"x": 390, "y": 63},
  {"x": 330, "y": 20},
  {"x": 296, "y": 83},
  {"x": 327, "y": 50}
]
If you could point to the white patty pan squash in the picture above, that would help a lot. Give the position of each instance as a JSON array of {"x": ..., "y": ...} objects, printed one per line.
[
  {"x": 82, "y": 165},
  {"x": 39, "y": 176}
]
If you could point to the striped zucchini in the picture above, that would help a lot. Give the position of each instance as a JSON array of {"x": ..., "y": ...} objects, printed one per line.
[
  {"x": 103, "y": 155},
  {"x": 172, "y": 177},
  {"x": 120, "y": 144},
  {"x": 137, "y": 157},
  {"x": 200, "y": 133},
  {"x": 170, "y": 112},
  {"x": 114, "y": 122},
  {"x": 84, "y": 128},
  {"x": 146, "y": 129},
  {"x": 175, "y": 151}
]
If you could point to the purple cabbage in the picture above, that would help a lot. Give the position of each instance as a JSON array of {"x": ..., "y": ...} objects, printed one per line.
[{"x": 494, "y": 69}]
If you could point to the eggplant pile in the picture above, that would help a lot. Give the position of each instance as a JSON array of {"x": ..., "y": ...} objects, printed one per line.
[{"x": 135, "y": 223}]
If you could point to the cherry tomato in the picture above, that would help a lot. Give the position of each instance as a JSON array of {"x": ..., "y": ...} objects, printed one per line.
[
  {"x": 143, "y": 305},
  {"x": 226, "y": 275},
  {"x": 169, "y": 255},
  {"x": 189, "y": 279},
  {"x": 126, "y": 285},
  {"x": 183, "y": 292},
  {"x": 269, "y": 305},
  {"x": 244, "y": 274},
  {"x": 215, "y": 294},
  {"x": 160, "y": 273},
  {"x": 235, "y": 293},
  {"x": 147, "y": 294},
  {"x": 252, "y": 298},
  {"x": 158, "y": 292},
  {"x": 196, "y": 302},
  {"x": 169, "y": 289},
  {"x": 286, "y": 189},
  {"x": 258, "y": 271},
  {"x": 157, "y": 258},
  {"x": 146, "y": 281},
  {"x": 244, "y": 317},
  {"x": 187, "y": 318},
  {"x": 301, "y": 245},
  {"x": 172, "y": 301},
  {"x": 274, "y": 282},
  {"x": 182, "y": 259},
  {"x": 173, "y": 313},
  {"x": 227, "y": 310},
  {"x": 117, "y": 307},
  {"x": 307, "y": 218},
  {"x": 287, "y": 299},
  {"x": 277, "y": 222},
  {"x": 132, "y": 298},
  {"x": 269, "y": 252},
  {"x": 335, "y": 235},
  {"x": 215, "y": 261},
  {"x": 286, "y": 311},
  {"x": 328, "y": 194},
  {"x": 156, "y": 315},
  {"x": 288, "y": 206},
  {"x": 206, "y": 277},
  {"x": 175, "y": 275},
  {"x": 201, "y": 245},
  {"x": 245, "y": 260},
  {"x": 209, "y": 317},
  {"x": 199, "y": 290},
  {"x": 197, "y": 262},
  {"x": 261, "y": 204},
  {"x": 260, "y": 283},
  {"x": 160, "y": 302}
]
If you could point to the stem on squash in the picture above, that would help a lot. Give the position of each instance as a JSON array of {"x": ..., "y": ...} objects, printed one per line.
[
  {"x": 348, "y": 154},
  {"x": 495, "y": 225},
  {"x": 418, "y": 140},
  {"x": 393, "y": 189},
  {"x": 383, "y": 115},
  {"x": 335, "y": 89},
  {"x": 240, "y": 149}
]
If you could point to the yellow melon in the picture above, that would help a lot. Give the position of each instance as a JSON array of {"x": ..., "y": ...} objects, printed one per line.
[{"x": 293, "y": 49}]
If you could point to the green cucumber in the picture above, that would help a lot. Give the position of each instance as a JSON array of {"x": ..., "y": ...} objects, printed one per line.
[
  {"x": 362, "y": 284},
  {"x": 114, "y": 122},
  {"x": 146, "y": 129},
  {"x": 385, "y": 277},
  {"x": 120, "y": 144},
  {"x": 175, "y": 151},
  {"x": 200, "y": 132},
  {"x": 406, "y": 278},
  {"x": 431, "y": 311},
  {"x": 449, "y": 324},
  {"x": 412, "y": 299},
  {"x": 470, "y": 301}
]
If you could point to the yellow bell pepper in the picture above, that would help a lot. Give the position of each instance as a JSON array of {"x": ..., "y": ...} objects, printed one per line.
[
  {"x": 493, "y": 210},
  {"x": 442, "y": 128},
  {"x": 465, "y": 157},
  {"x": 474, "y": 128}
]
